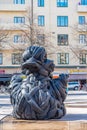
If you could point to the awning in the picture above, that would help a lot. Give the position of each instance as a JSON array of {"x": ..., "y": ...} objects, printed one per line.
[
  {"x": 78, "y": 77},
  {"x": 5, "y": 79}
]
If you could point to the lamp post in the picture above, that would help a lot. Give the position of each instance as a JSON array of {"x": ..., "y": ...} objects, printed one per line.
[
  {"x": 31, "y": 12},
  {"x": 78, "y": 69},
  {"x": 31, "y": 28},
  {"x": 78, "y": 73}
]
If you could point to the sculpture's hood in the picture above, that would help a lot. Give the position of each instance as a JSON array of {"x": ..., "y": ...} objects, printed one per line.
[{"x": 35, "y": 59}]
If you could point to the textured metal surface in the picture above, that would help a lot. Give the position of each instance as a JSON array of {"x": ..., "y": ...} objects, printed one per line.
[{"x": 35, "y": 95}]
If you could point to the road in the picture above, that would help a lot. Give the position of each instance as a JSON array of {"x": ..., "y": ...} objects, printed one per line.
[
  {"x": 5, "y": 105},
  {"x": 76, "y": 97},
  {"x": 76, "y": 105}
]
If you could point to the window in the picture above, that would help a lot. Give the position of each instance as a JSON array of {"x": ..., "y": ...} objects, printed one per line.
[
  {"x": 40, "y": 3},
  {"x": 19, "y": 39},
  {"x": 83, "y": 58},
  {"x": 83, "y": 2},
  {"x": 62, "y": 21},
  {"x": 62, "y": 39},
  {"x": 82, "y": 38},
  {"x": 16, "y": 58},
  {"x": 62, "y": 3},
  {"x": 19, "y": 1},
  {"x": 41, "y": 21},
  {"x": 81, "y": 19},
  {"x": 1, "y": 58},
  {"x": 63, "y": 58},
  {"x": 41, "y": 38},
  {"x": 19, "y": 19}
]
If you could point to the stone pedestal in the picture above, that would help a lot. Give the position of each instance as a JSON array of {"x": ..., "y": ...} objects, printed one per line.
[{"x": 10, "y": 123}]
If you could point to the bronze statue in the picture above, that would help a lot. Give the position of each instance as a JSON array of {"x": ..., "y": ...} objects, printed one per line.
[{"x": 37, "y": 96}]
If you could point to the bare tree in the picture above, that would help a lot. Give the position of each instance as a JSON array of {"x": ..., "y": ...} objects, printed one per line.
[
  {"x": 3, "y": 38},
  {"x": 79, "y": 35},
  {"x": 32, "y": 34}
]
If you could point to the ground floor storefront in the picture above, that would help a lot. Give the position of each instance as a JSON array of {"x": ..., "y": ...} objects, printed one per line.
[
  {"x": 6, "y": 72},
  {"x": 75, "y": 73}
]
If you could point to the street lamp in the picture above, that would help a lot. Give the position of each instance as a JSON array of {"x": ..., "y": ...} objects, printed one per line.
[
  {"x": 78, "y": 69},
  {"x": 78, "y": 73},
  {"x": 31, "y": 12},
  {"x": 31, "y": 22}
]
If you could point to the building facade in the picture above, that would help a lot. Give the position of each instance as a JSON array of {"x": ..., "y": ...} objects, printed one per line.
[{"x": 65, "y": 20}]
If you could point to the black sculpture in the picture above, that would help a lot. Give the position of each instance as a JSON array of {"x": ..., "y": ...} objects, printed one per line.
[{"x": 37, "y": 96}]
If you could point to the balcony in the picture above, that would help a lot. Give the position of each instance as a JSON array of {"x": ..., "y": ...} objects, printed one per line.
[
  {"x": 82, "y": 28},
  {"x": 13, "y": 7},
  {"x": 82, "y": 8}
]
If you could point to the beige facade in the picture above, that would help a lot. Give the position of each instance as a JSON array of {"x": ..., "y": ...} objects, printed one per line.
[{"x": 69, "y": 61}]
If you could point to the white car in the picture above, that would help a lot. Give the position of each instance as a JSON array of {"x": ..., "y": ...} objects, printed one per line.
[{"x": 73, "y": 85}]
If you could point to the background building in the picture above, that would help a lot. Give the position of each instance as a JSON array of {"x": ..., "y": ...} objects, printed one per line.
[{"x": 65, "y": 20}]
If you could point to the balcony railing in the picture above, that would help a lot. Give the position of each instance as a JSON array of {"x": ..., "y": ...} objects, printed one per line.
[
  {"x": 13, "y": 7},
  {"x": 82, "y": 28},
  {"x": 82, "y": 8}
]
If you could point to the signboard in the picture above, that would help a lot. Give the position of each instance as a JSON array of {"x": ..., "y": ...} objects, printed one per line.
[{"x": 2, "y": 71}]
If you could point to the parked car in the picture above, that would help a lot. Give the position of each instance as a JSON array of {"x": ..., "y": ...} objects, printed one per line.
[{"x": 73, "y": 85}]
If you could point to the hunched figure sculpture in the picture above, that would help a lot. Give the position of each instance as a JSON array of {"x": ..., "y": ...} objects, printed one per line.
[{"x": 37, "y": 96}]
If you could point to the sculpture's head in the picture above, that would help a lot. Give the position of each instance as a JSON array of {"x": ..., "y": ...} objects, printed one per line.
[
  {"x": 64, "y": 78},
  {"x": 35, "y": 60}
]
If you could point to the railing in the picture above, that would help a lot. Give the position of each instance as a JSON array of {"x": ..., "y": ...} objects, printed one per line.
[
  {"x": 82, "y": 27},
  {"x": 81, "y": 8}
]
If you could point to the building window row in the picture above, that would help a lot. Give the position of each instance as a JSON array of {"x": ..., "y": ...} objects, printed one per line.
[
  {"x": 59, "y": 3},
  {"x": 19, "y": 1},
  {"x": 62, "y": 39},
  {"x": 23, "y": 39},
  {"x": 16, "y": 58},
  {"x": 63, "y": 58},
  {"x": 62, "y": 21}
]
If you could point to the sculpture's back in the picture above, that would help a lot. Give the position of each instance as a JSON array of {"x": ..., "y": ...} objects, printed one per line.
[{"x": 37, "y": 96}]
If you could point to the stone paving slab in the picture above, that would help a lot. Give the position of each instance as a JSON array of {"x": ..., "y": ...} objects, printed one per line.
[{"x": 9, "y": 123}]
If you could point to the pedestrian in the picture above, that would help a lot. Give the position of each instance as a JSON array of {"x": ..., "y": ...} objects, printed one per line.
[{"x": 81, "y": 86}]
